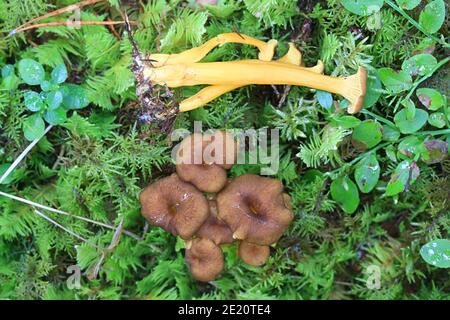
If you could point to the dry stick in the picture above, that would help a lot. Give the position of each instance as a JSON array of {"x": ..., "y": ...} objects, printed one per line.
[
  {"x": 23, "y": 155},
  {"x": 58, "y": 11},
  {"x": 68, "y": 24},
  {"x": 34, "y": 204},
  {"x": 60, "y": 226}
]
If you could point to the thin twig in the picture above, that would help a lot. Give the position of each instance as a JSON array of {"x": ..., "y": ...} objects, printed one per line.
[
  {"x": 38, "y": 205},
  {"x": 71, "y": 7},
  {"x": 61, "y": 226},
  {"x": 68, "y": 24},
  {"x": 23, "y": 155}
]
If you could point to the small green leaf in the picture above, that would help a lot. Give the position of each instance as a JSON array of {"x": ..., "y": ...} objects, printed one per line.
[
  {"x": 74, "y": 97},
  {"x": 410, "y": 108},
  {"x": 437, "y": 120},
  {"x": 59, "y": 74},
  {"x": 406, "y": 125},
  {"x": 345, "y": 193},
  {"x": 430, "y": 98},
  {"x": 54, "y": 99},
  {"x": 347, "y": 122},
  {"x": 390, "y": 134},
  {"x": 363, "y": 7},
  {"x": 403, "y": 177},
  {"x": 7, "y": 70},
  {"x": 420, "y": 64},
  {"x": 411, "y": 146},
  {"x": 31, "y": 71},
  {"x": 367, "y": 173},
  {"x": 325, "y": 99},
  {"x": 408, "y": 4},
  {"x": 436, "y": 151},
  {"x": 368, "y": 134},
  {"x": 10, "y": 82},
  {"x": 33, "y": 127},
  {"x": 33, "y": 101},
  {"x": 437, "y": 253},
  {"x": 56, "y": 116},
  {"x": 373, "y": 88},
  {"x": 433, "y": 16},
  {"x": 395, "y": 82}
]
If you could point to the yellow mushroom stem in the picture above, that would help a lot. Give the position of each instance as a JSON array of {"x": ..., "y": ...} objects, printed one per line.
[
  {"x": 266, "y": 49},
  {"x": 242, "y": 73},
  {"x": 210, "y": 93},
  {"x": 183, "y": 69}
]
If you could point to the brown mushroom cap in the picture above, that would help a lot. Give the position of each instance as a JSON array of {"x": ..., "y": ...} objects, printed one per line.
[
  {"x": 204, "y": 258},
  {"x": 254, "y": 208},
  {"x": 203, "y": 158},
  {"x": 253, "y": 254},
  {"x": 174, "y": 205},
  {"x": 214, "y": 228}
]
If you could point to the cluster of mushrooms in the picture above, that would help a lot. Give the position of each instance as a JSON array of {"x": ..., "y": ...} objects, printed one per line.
[{"x": 200, "y": 204}]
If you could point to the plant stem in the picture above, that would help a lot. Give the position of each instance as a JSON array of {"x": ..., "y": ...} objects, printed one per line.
[
  {"x": 23, "y": 155},
  {"x": 379, "y": 118},
  {"x": 416, "y": 24}
]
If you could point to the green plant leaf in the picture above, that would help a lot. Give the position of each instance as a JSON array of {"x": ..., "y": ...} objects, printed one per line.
[
  {"x": 406, "y": 125},
  {"x": 437, "y": 119},
  {"x": 31, "y": 71},
  {"x": 435, "y": 151},
  {"x": 403, "y": 177},
  {"x": 395, "y": 82},
  {"x": 420, "y": 64},
  {"x": 56, "y": 116},
  {"x": 430, "y": 98},
  {"x": 411, "y": 146},
  {"x": 390, "y": 134},
  {"x": 345, "y": 193},
  {"x": 59, "y": 73},
  {"x": 33, "y": 127},
  {"x": 368, "y": 134},
  {"x": 408, "y": 4},
  {"x": 54, "y": 99},
  {"x": 33, "y": 101},
  {"x": 373, "y": 88},
  {"x": 49, "y": 86},
  {"x": 363, "y": 7},
  {"x": 433, "y": 16},
  {"x": 347, "y": 122},
  {"x": 7, "y": 70},
  {"x": 437, "y": 253},
  {"x": 367, "y": 173},
  {"x": 74, "y": 97},
  {"x": 325, "y": 99}
]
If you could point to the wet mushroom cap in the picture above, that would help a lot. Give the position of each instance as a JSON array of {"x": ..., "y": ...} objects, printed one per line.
[
  {"x": 222, "y": 148},
  {"x": 174, "y": 205},
  {"x": 214, "y": 228},
  {"x": 253, "y": 254},
  {"x": 255, "y": 208},
  {"x": 191, "y": 166},
  {"x": 202, "y": 159},
  {"x": 204, "y": 258}
]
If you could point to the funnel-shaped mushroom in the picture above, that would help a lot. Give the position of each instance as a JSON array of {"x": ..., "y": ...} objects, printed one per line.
[
  {"x": 174, "y": 205},
  {"x": 202, "y": 159},
  {"x": 215, "y": 229},
  {"x": 204, "y": 258},
  {"x": 255, "y": 209},
  {"x": 253, "y": 254},
  {"x": 183, "y": 69}
]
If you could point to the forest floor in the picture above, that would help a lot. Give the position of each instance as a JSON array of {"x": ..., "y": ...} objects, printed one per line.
[{"x": 368, "y": 190}]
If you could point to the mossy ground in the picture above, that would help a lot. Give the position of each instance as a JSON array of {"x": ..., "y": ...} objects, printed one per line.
[{"x": 96, "y": 163}]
